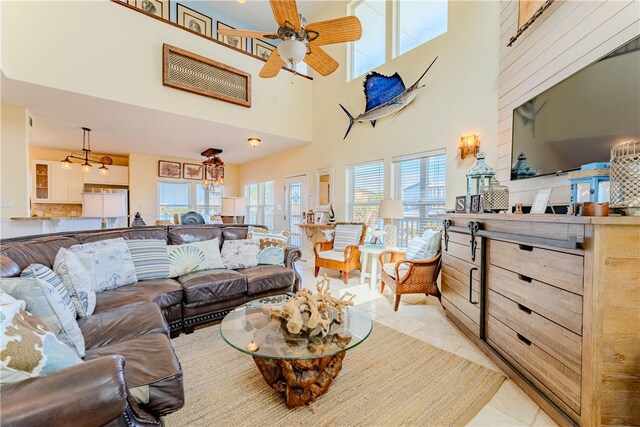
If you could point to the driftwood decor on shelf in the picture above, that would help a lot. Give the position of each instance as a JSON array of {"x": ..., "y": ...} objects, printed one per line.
[
  {"x": 193, "y": 73},
  {"x": 528, "y": 12}
]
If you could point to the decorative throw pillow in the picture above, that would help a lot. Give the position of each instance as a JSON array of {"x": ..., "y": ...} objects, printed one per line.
[
  {"x": 77, "y": 280},
  {"x": 108, "y": 261},
  {"x": 240, "y": 253},
  {"x": 43, "y": 301},
  {"x": 251, "y": 229},
  {"x": 43, "y": 272},
  {"x": 150, "y": 258},
  {"x": 272, "y": 246},
  {"x": 196, "y": 256},
  {"x": 346, "y": 235},
  {"x": 424, "y": 248},
  {"x": 27, "y": 348}
]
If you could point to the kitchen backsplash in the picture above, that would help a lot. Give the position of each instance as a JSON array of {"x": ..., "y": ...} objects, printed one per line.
[{"x": 55, "y": 210}]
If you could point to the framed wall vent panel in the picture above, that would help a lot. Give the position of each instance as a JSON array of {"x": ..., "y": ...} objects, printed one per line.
[{"x": 193, "y": 73}]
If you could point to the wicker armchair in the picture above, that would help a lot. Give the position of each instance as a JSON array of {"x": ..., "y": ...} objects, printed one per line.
[
  {"x": 411, "y": 277},
  {"x": 343, "y": 261}
]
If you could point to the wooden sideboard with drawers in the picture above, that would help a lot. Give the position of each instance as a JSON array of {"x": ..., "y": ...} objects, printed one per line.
[{"x": 554, "y": 301}]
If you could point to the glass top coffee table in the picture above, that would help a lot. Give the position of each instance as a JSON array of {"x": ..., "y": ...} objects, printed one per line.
[{"x": 300, "y": 368}]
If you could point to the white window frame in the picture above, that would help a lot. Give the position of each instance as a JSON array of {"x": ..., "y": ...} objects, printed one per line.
[
  {"x": 193, "y": 197},
  {"x": 350, "y": 193},
  {"x": 262, "y": 217},
  {"x": 422, "y": 221}
]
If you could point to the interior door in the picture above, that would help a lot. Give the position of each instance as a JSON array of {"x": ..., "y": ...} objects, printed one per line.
[{"x": 295, "y": 189}]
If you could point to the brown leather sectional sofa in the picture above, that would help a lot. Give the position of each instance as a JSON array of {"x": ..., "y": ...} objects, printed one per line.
[{"x": 128, "y": 334}]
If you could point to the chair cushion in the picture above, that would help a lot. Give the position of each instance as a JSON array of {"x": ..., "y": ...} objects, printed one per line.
[
  {"x": 45, "y": 302},
  {"x": 77, "y": 280},
  {"x": 150, "y": 258},
  {"x": 332, "y": 255},
  {"x": 211, "y": 285},
  {"x": 149, "y": 361},
  {"x": 122, "y": 323},
  {"x": 108, "y": 261},
  {"x": 264, "y": 278},
  {"x": 164, "y": 292},
  {"x": 29, "y": 349},
  {"x": 346, "y": 235},
  {"x": 390, "y": 269},
  {"x": 196, "y": 256}
]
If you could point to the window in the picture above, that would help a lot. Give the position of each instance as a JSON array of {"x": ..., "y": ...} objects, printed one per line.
[
  {"x": 369, "y": 51},
  {"x": 419, "y": 22},
  {"x": 365, "y": 190},
  {"x": 260, "y": 203},
  {"x": 419, "y": 181},
  {"x": 182, "y": 197},
  {"x": 413, "y": 22},
  {"x": 173, "y": 198},
  {"x": 208, "y": 202}
]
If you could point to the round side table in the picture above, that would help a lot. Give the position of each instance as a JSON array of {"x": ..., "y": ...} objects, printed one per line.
[{"x": 370, "y": 264}]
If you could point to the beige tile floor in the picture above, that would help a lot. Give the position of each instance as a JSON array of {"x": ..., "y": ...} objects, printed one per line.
[{"x": 423, "y": 318}]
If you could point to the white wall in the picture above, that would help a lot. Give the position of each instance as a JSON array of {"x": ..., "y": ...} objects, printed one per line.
[
  {"x": 569, "y": 36},
  {"x": 105, "y": 50},
  {"x": 14, "y": 162},
  {"x": 460, "y": 98}
]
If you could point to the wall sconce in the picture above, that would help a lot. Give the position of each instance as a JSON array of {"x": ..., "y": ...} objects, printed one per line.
[
  {"x": 469, "y": 145},
  {"x": 254, "y": 142}
]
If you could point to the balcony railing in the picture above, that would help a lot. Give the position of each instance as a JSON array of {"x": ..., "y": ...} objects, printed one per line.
[{"x": 408, "y": 228}]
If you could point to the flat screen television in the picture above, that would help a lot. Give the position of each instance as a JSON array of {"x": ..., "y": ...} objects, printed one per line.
[{"x": 580, "y": 119}]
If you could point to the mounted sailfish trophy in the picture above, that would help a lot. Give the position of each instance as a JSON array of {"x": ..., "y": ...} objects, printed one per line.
[
  {"x": 301, "y": 41},
  {"x": 385, "y": 95}
]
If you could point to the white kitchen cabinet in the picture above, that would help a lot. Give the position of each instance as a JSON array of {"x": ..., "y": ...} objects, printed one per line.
[
  {"x": 52, "y": 184},
  {"x": 118, "y": 175}
]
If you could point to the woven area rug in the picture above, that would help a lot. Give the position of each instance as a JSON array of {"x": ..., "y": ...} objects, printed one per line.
[{"x": 390, "y": 379}]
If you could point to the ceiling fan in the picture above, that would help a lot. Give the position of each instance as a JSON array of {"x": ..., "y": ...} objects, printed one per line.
[{"x": 301, "y": 41}]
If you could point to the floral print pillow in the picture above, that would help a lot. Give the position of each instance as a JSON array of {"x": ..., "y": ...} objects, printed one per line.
[{"x": 240, "y": 253}]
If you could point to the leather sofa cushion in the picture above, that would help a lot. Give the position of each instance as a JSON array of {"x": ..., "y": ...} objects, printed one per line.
[
  {"x": 8, "y": 268},
  {"x": 235, "y": 233},
  {"x": 122, "y": 323},
  {"x": 158, "y": 233},
  {"x": 164, "y": 292},
  {"x": 211, "y": 285},
  {"x": 263, "y": 278},
  {"x": 149, "y": 361},
  {"x": 41, "y": 250},
  {"x": 180, "y": 235}
]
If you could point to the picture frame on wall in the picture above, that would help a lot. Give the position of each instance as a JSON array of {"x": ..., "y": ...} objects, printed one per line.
[
  {"x": 192, "y": 171},
  {"x": 194, "y": 20},
  {"x": 168, "y": 169},
  {"x": 461, "y": 204},
  {"x": 262, "y": 49},
  {"x": 233, "y": 41},
  {"x": 159, "y": 8}
]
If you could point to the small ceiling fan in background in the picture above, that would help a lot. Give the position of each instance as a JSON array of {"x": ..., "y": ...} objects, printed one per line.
[{"x": 301, "y": 41}]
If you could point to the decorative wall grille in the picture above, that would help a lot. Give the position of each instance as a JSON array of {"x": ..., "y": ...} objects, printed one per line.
[{"x": 203, "y": 76}]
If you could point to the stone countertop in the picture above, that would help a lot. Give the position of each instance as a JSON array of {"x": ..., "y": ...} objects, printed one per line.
[{"x": 43, "y": 218}]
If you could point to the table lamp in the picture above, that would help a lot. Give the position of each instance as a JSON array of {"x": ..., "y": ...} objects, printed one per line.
[
  {"x": 235, "y": 207},
  {"x": 390, "y": 210},
  {"x": 103, "y": 205}
]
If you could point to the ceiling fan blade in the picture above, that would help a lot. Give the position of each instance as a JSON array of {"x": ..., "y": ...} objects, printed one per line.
[
  {"x": 320, "y": 60},
  {"x": 286, "y": 10},
  {"x": 340, "y": 30},
  {"x": 272, "y": 66},
  {"x": 247, "y": 33}
]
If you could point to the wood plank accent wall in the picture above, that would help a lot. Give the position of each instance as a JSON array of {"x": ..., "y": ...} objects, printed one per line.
[{"x": 569, "y": 36}]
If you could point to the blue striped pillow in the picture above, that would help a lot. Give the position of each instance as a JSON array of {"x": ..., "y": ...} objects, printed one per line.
[
  {"x": 346, "y": 235},
  {"x": 42, "y": 272},
  {"x": 150, "y": 258}
]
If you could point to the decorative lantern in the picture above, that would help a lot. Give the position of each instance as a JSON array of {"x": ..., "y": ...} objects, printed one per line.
[
  {"x": 495, "y": 197},
  {"x": 479, "y": 176},
  {"x": 625, "y": 176},
  {"x": 522, "y": 169},
  {"x": 589, "y": 184}
]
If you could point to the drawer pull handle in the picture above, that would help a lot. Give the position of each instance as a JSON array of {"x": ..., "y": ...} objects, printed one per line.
[
  {"x": 523, "y": 339},
  {"x": 525, "y": 278},
  {"x": 526, "y": 248},
  {"x": 471, "y": 285},
  {"x": 525, "y": 309}
]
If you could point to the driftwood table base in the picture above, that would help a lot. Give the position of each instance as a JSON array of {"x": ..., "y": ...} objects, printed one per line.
[{"x": 300, "y": 382}]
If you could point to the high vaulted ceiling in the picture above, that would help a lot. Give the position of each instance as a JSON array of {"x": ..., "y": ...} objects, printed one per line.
[{"x": 257, "y": 13}]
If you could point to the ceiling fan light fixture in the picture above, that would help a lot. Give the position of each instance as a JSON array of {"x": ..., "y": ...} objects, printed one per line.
[
  {"x": 292, "y": 51},
  {"x": 254, "y": 142}
]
